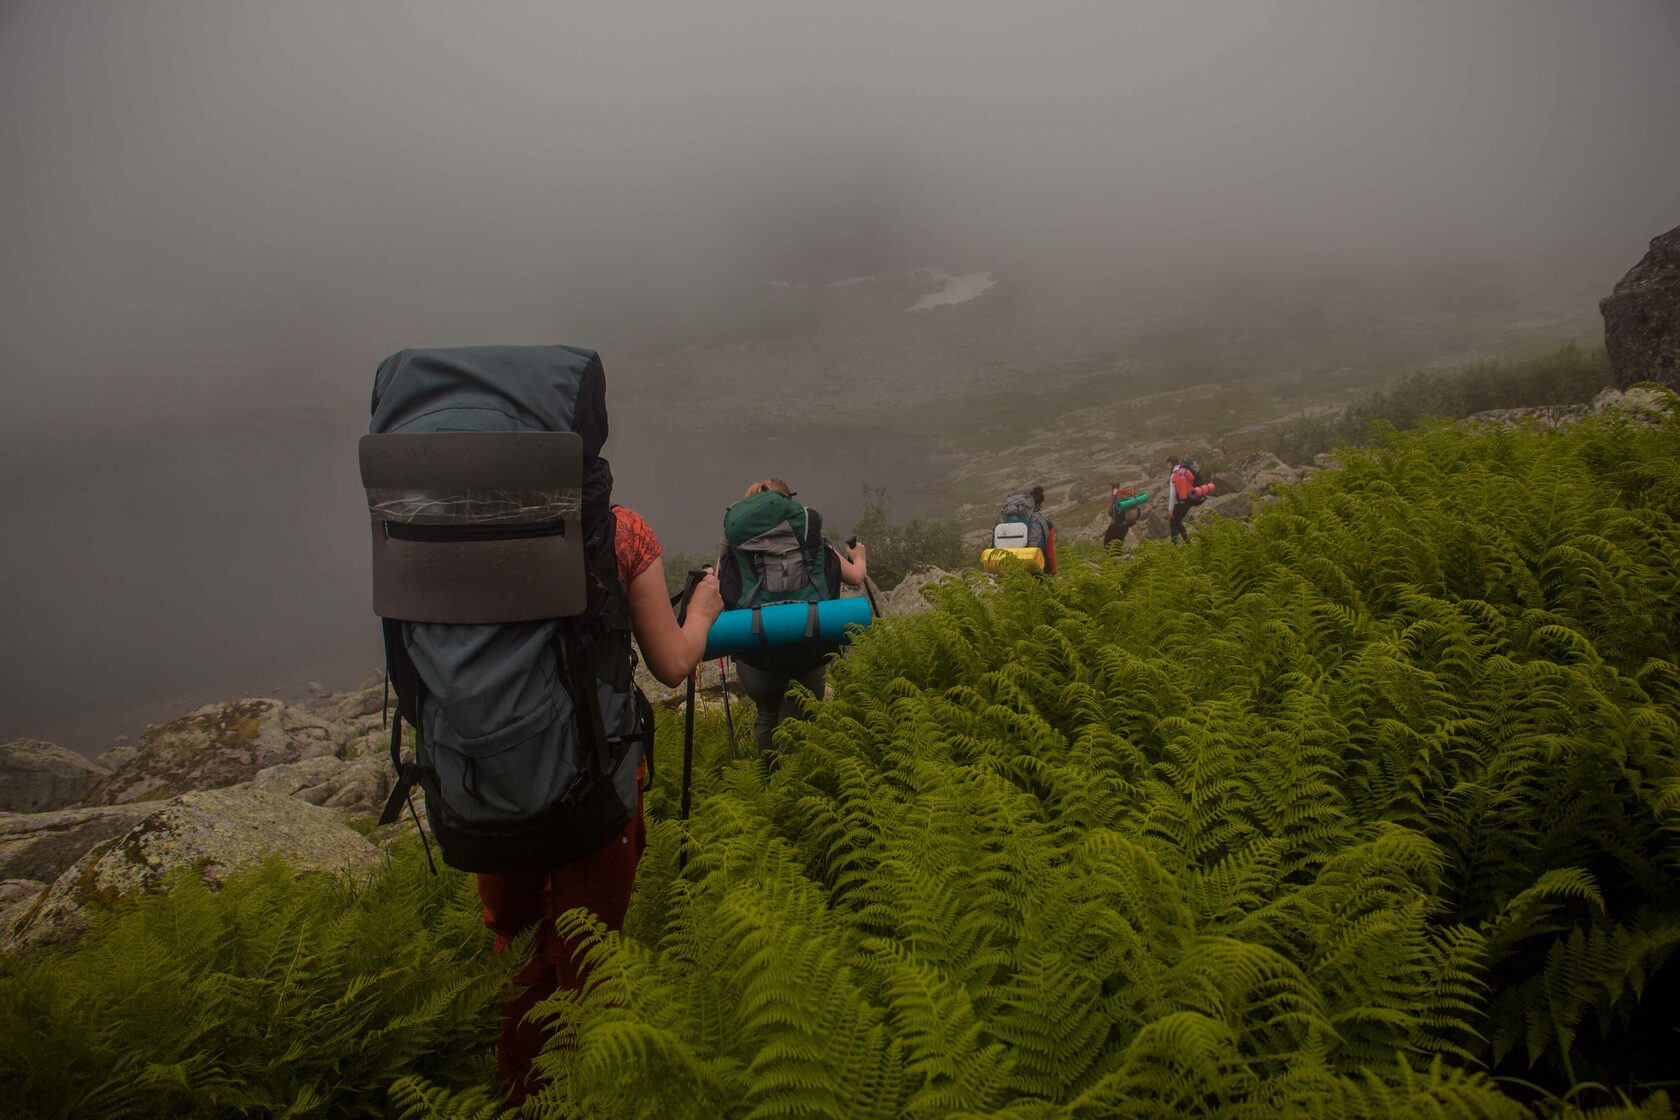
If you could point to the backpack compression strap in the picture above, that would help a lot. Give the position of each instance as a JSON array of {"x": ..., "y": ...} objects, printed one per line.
[{"x": 812, "y": 616}]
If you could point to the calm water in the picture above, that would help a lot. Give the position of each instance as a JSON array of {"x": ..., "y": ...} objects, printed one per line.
[{"x": 152, "y": 572}]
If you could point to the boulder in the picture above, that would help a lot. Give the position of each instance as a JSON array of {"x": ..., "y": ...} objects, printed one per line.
[
  {"x": 1233, "y": 505},
  {"x": 1153, "y": 525},
  {"x": 357, "y": 787},
  {"x": 211, "y": 833},
  {"x": 118, "y": 756},
  {"x": 909, "y": 597},
  {"x": 42, "y": 845},
  {"x": 352, "y": 708},
  {"x": 1639, "y": 403},
  {"x": 17, "y": 898},
  {"x": 1261, "y": 471},
  {"x": 217, "y": 745},
  {"x": 36, "y": 776},
  {"x": 1229, "y": 481},
  {"x": 1642, "y": 317}
]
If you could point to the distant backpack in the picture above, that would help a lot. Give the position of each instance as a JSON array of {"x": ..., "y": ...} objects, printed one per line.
[
  {"x": 774, "y": 553},
  {"x": 1124, "y": 509},
  {"x": 1019, "y": 525},
  {"x": 507, "y": 628},
  {"x": 1194, "y": 499}
]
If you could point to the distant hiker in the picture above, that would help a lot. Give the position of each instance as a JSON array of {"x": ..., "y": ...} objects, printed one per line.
[
  {"x": 774, "y": 552},
  {"x": 1124, "y": 510},
  {"x": 1022, "y": 524},
  {"x": 511, "y": 587},
  {"x": 1185, "y": 491}
]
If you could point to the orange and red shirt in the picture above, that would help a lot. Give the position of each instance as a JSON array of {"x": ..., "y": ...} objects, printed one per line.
[{"x": 633, "y": 543}]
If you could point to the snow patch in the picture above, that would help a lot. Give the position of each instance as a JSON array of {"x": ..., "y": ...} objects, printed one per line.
[{"x": 958, "y": 289}]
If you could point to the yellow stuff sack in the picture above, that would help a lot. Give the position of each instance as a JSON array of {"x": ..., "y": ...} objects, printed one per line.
[{"x": 995, "y": 559}]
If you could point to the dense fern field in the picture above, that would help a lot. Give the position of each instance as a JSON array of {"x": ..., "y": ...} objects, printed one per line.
[
  {"x": 279, "y": 995},
  {"x": 1369, "y": 806}
]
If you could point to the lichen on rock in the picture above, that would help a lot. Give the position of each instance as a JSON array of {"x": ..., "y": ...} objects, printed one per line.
[
  {"x": 216, "y": 746},
  {"x": 211, "y": 833}
]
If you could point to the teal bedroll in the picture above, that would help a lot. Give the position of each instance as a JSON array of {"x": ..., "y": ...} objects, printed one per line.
[{"x": 826, "y": 623}]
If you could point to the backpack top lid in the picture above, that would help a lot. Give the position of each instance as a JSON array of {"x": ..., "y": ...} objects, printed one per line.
[
  {"x": 1018, "y": 506},
  {"x": 484, "y": 479},
  {"x": 759, "y": 514},
  {"x": 502, "y": 389}
]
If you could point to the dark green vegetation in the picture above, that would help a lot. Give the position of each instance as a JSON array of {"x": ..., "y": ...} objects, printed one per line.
[
  {"x": 1370, "y": 806},
  {"x": 1333, "y": 814},
  {"x": 897, "y": 548},
  {"x": 279, "y": 995},
  {"x": 1567, "y": 375}
]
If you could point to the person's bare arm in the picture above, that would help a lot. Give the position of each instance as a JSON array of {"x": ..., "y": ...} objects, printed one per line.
[
  {"x": 671, "y": 651},
  {"x": 854, "y": 565}
]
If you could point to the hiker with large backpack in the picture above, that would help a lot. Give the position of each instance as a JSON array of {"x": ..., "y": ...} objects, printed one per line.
[
  {"x": 774, "y": 552},
  {"x": 1125, "y": 507},
  {"x": 1185, "y": 491},
  {"x": 1022, "y": 524},
  {"x": 511, "y": 588}
]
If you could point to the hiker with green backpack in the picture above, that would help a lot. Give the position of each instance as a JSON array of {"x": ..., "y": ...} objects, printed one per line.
[{"x": 774, "y": 552}]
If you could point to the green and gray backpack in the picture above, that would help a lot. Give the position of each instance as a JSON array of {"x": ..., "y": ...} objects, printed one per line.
[{"x": 774, "y": 553}]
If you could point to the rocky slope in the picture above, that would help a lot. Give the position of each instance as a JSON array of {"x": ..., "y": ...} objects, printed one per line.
[
  {"x": 1076, "y": 462},
  {"x": 219, "y": 788}
]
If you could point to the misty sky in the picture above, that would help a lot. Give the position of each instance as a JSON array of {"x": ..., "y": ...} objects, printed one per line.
[
  {"x": 217, "y": 216},
  {"x": 196, "y": 194}
]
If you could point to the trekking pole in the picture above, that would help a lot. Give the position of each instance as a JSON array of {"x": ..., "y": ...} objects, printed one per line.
[
  {"x": 688, "y": 746},
  {"x": 694, "y": 578},
  {"x": 728, "y": 718}
]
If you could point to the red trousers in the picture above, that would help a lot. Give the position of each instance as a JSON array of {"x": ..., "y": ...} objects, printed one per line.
[{"x": 599, "y": 882}]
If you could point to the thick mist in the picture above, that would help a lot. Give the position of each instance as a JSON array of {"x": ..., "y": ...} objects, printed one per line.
[{"x": 216, "y": 218}]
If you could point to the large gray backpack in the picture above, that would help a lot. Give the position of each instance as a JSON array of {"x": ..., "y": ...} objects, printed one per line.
[
  {"x": 507, "y": 628},
  {"x": 1019, "y": 523}
]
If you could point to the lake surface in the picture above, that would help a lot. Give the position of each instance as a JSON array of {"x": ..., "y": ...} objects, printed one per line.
[{"x": 149, "y": 572}]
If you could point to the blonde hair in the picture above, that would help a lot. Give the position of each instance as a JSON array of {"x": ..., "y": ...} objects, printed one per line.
[{"x": 764, "y": 484}]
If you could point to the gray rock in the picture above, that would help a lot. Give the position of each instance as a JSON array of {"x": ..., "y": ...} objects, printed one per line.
[
  {"x": 17, "y": 898},
  {"x": 118, "y": 756},
  {"x": 217, "y": 745},
  {"x": 42, "y": 845},
  {"x": 1229, "y": 481},
  {"x": 1545, "y": 416},
  {"x": 1235, "y": 505},
  {"x": 1642, "y": 317},
  {"x": 1153, "y": 524},
  {"x": 356, "y": 787},
  {"x": 355, "y": 706},
  {"x": 36, "y": 776},
  {"x": 1640, "y": 403},
  {"x": 212, "y": 833},
  {"x": 910, "y": 596}
]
